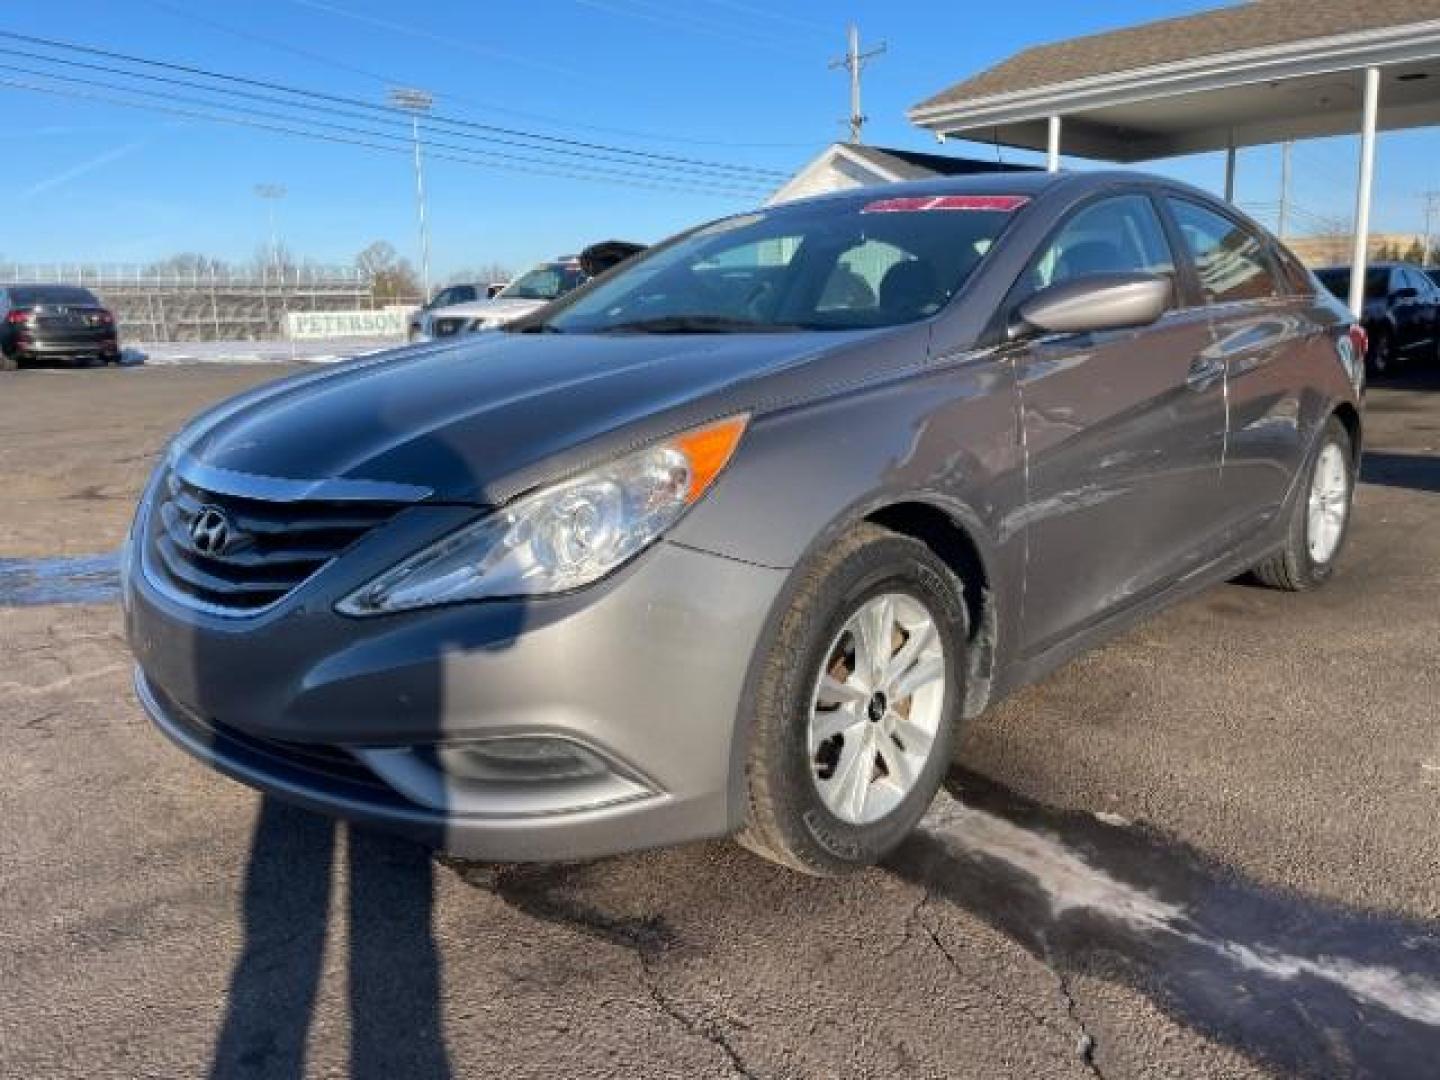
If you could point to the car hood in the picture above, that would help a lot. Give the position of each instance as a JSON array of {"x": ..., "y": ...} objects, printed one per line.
[{"x": 480, "y": 421}]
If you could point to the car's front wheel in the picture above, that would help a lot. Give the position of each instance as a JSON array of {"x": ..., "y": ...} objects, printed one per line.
[
  {"x": 1320, "y": 518},
  {"x": 855, "y": 704}
]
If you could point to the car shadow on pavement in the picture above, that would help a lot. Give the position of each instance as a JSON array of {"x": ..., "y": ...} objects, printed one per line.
[
  {"x": 1418, "y": 472},
  {"x": 394, "y": 968},
  {"x": 1298, "y": 983}
]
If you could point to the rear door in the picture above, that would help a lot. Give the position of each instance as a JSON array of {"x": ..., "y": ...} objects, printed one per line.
[
  {"x": 1265, "y": 338},
  {"x": 1414, "y": 307},
  {"x": 1123, "y": 432}
]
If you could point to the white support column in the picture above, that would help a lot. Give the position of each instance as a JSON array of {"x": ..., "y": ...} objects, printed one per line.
[
  {"x": 1230, "y": 171},
  {"x": 1052, "y": 146},
  {"x": 1359, "y": 255}
]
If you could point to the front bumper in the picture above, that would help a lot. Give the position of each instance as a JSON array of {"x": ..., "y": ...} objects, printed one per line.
[{"x": 644, "y": 670}]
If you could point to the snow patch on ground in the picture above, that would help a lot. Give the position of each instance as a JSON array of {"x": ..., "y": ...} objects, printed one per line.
[
  {"x": 1071, "y": 883},
  {"x": 254, "y": 352}
]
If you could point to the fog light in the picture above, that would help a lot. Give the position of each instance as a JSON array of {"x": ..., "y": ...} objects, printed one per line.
[{"x": 519, "y": 759}]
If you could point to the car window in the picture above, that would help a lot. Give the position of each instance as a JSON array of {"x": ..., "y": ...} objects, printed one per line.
[
  {"x": 1293, "y": 275},
  {"x": 30, "y": 295},
  {"x": 1337, "y": 280},
  {"x": 1229, "y": 258},
  {"x": 841, "y": 265},
  {"x": 545, "y": 282},
  {"x": 1118, "y": 235},
  {"x": 443, "y": 298},
  {"x": 854, "y": 283}
]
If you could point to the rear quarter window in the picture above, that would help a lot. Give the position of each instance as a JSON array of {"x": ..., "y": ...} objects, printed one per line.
[{"x": 30, "y": 295}]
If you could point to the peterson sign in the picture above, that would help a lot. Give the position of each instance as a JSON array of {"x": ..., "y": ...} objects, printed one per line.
[{"x": 320, "y": 325}]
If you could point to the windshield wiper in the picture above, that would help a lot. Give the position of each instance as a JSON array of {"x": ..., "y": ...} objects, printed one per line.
[
  {"x": 534, "y": 328},
  {"x": 696, "y": 324}
]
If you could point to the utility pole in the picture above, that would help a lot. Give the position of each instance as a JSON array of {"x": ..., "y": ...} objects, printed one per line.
[
  {"x": 1285, "y": 151},
  {"x": 417, "y": 103},
  {"x": 854, "y": 62},
  {"x": 1432, "y": 203}
]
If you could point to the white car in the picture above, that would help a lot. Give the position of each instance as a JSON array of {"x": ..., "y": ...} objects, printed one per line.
[{"x": 531, "y": 290}]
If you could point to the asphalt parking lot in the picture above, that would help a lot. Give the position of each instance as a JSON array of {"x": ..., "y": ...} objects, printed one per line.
[{"x": 1207, "y": 850}]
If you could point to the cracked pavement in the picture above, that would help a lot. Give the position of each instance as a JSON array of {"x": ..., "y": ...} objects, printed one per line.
[{"x": 1260, "y": 762}]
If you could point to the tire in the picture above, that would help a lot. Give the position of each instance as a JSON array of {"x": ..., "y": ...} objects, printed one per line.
[
  {"x": 795, "y": 780},
  {"x": 1380, "y": 356},
  {"x": 8, "y": 362},
  {"x": 1304, "y": 561}
]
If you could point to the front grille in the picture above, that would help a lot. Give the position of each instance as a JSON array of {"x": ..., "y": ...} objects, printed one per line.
[
  {"x": 249, "y": 552},
  {"x": 447, "y": 327}
]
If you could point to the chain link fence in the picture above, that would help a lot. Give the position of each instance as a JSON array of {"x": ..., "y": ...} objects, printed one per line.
[{"x": 161, "y": 305}]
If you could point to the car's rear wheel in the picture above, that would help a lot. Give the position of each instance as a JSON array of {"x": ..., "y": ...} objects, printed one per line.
[
  {"x": 1320, "y": 519},
  {"x": 856, "y": 705},
  {"x": 8, "y": 362}
]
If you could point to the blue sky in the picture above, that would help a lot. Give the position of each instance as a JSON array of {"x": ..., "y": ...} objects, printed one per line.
[{"x": 734, "y": 81}]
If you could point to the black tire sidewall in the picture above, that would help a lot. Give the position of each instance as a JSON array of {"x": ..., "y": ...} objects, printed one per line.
[{"x": 892, "y": 565}]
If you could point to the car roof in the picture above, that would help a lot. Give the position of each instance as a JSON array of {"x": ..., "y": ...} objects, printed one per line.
[{"x": 1031, "y": 184}]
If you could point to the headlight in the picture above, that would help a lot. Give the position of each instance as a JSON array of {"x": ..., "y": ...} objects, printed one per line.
[{"x": 560, "y": 537}]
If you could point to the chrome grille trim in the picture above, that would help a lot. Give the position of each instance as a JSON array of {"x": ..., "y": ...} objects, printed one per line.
[{"x": 275, "y": 547}]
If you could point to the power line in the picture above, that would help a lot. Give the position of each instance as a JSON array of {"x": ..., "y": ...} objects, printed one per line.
[
  {"x": 464, "y": 158},
  {"x": 705, "y": 183},
  {"x": 449, "y": 40},
  {"x": 666, "y": 16},
  {"x": 580, "y": 144},
  {"x": 776, "y": 16},
  {"x": 382, "y": 79},
  {"x": 385, "y": 116}
]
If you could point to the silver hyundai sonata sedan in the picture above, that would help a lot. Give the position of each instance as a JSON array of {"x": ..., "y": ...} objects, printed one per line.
[{"x": 732, "y": 539}]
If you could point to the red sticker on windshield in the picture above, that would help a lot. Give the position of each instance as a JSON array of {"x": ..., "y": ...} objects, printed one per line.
[{"x": 913, "y": 204}]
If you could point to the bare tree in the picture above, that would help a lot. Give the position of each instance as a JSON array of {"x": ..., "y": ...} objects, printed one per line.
[
  {"x": 189, "y": 264},
  {"x": 390, "y": 277}
]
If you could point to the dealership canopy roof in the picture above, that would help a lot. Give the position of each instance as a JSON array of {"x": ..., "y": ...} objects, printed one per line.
[{"x": 1259, "y": 72}]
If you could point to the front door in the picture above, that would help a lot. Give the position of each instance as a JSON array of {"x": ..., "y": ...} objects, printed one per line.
[{"x": 1123, "y": 430}]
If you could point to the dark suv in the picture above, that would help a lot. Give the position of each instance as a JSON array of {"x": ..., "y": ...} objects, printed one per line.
[
  {"x": 62, "y": 322},
  {"x": 1402, "y": 308}
]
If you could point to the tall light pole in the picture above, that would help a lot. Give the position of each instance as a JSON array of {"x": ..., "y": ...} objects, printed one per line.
[
  {"x": 417, "y": 103},
  {"x": 272, "y": 193}
]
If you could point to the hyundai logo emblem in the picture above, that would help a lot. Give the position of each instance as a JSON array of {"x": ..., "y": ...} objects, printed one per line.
[{"x": 210, "y": 531}]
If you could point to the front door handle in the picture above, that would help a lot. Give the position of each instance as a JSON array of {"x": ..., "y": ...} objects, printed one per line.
[{"x": 1204, "y": 372}]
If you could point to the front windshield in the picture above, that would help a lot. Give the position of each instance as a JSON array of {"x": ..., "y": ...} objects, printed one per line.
[
  {"x": 544, "y": 282},
  {"x": 819, "y": 267}
]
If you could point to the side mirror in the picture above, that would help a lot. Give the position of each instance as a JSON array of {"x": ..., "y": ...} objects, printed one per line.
[
  {"x": 1404, "y": 293},
  {"x": 1093, "y": 303}
]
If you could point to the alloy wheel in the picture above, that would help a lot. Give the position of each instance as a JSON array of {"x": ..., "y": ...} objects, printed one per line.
[
  {"x": 878, "y": 704},
  {"x": 1329, "y": 504}
]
